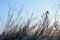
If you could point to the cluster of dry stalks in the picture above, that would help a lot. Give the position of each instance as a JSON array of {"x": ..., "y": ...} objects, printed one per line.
[{"x": 22, "y": 31}]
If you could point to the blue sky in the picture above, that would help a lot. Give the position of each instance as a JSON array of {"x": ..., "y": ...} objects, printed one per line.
[
  {"x": 39, "y": 6},
  {"x": 29, "y": 5}
]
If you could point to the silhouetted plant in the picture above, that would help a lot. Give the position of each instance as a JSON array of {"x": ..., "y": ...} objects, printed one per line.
[{"x": 15, "y": 31}]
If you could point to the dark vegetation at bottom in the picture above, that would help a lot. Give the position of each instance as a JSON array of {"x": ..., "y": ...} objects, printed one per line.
[{"x": 27, "y": 37}]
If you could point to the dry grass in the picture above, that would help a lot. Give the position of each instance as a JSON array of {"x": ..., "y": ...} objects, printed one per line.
[{"x": 22, "y": 31}]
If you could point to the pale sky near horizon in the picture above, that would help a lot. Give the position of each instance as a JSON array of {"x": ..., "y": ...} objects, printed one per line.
[{"x": 39, "y": 6}]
